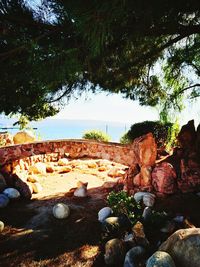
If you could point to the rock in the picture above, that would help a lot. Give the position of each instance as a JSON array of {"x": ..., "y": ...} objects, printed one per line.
[
  {"x": 50, "y": 168},
  {"x": 24, "y": 188},
  {"x": 189, "y": 181},
  {"x": 37, "y": 187},
  {"x": 11, "y": 193},
  {"x": 63, "y": 162},
  {"x": 23, "y": 137},
  {"x": 146, "y": 213},
  {"x": 114, "y": 252},
  {"x": 3, "y": 184},
  {"x": 148, "y": 200},
  {"x": 179, "y": 218},
  {"x": 137, "y": 180},
  {"x": 38, "y": 168},
  {"x": 116, "y": 172},
  {"x": 91, "y": 164},
  {"x": 187, "y": 135},
  {"x": 160, "y": 259},
  {"x": 145, "y": 150},
  {"x": 164, "y": 179},
  {"x": 145, "y": 174},
  {"x": 168, "y": 228},
  {"x": 139, "y": 196},
  {"x": 1, "y": 226},
  {"x": 32, "y": 178},
  {"x": 81, "y": 191},
  {"x": 61, "y": 211},
  {"x": 112, "y": 224},
  {"x": 140, "y": 238},
  {"x": 104, "y": 213},
  {"x": 183, "y": 246},
  {"x": 4, "y": 200},
  {"x": 132, "y": 256},
  {"x": 6, "y": 139},
  {"x": 65, "y": 169},
  {"x": 102, "y": 169}
]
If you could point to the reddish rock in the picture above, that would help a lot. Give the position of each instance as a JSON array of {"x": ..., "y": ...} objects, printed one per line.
[
  {"x": 187, "y": 135},
  {"x": 145, "y": 150},
  {"x": 24, "y": 188},
  {"x": 145, "y": 175},
  {"x": 190, "y": 176},
  {"x": 164, "y": 178}
]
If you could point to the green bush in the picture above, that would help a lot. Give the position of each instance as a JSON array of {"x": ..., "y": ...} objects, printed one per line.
[
  {"x": 96, "y": 135},
  {"x": 124, "y": 139},
  {"x": 160, "y": 131},
  {"x": 122, "y": 203}
]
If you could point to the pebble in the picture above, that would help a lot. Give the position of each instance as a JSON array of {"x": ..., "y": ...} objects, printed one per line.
[
  {"x": 104, "y": 213},
  {"x": 61, "y": 211},
  {"x": 147, "y": 213},
  {"x": 11, "y": 193},
  {"x": 139, "y": 196}
]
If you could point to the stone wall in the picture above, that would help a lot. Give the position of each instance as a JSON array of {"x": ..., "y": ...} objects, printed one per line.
[
  {"x": 142, "y": 152},
  {"x": 54, "y": 150}
]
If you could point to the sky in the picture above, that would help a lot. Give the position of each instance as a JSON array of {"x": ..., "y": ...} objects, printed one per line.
[
  {"x": 103, "y": 107},
  {"x": 114, "y": 108}
]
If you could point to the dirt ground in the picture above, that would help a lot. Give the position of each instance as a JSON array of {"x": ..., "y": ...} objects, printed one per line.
[{"x": 33, "y": 237}]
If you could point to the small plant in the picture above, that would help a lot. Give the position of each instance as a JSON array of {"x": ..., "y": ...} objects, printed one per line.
[
  {"x": 122, "y": 203},
  {"x": 96, "y": 135},
  {"x": 124, "y": 139}
]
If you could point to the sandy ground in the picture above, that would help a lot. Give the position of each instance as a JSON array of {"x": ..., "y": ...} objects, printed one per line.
[{"x": 33, "y": 237}]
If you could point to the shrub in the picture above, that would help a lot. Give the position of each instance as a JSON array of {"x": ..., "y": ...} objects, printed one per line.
[
  {"x": 160, "y": 131},
  {"x": 96, "y": 135},
  {"x": 122, "y": 203},
  {"x": 124, "y": 139}
]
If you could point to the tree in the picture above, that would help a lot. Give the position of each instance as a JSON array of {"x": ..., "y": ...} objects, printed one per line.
[{"x": 147, "y": 50}]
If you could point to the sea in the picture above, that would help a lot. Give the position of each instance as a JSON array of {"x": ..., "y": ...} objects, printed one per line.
[{"x": 50, "y": 129}]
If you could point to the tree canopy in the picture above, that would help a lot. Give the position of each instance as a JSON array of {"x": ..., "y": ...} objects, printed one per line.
[{"x": 146, "y": 50}]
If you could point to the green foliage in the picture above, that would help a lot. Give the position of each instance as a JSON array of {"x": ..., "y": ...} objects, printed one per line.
[
  {"x": 159, "y": 130},
  {"x": 124, "y": 139},
  {"x": 122, "y": 203},
  {"x": 172, "y": 136},
  {"x": 96, "y": 135},
  {"x": 50, "y": 52}
]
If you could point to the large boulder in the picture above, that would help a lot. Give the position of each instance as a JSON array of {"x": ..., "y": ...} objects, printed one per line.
[
  {"x": 145, "y": 150},
  {"x": 23, "y": 137},
  {"x": 187, "y": 135},
  {"x": 184, "y": 247},
  {"x": 190, "y": 176},
  {"x": 164, "y": 179}
]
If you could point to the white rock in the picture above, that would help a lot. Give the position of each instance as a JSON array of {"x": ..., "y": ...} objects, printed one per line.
[
  {"x": 139, "y": 195},
  {"x": 4, "y": 200},
  {"x": 148, "y": 200},
  {"x": 61, "y": 211},
  {"x": 104, "y": 213},
  {"x": 63, "y": 162},
  {"x": 37, "y": 187},
  {"x": 1, "y": 226},
  {"x": 146, "y": 213},
  {"x": 11, "y": 193},
  {"x": 80, "y": 192}
]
